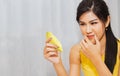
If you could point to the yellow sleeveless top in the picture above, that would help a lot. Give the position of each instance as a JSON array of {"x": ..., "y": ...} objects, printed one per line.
[{"x": 90, "y": 70}]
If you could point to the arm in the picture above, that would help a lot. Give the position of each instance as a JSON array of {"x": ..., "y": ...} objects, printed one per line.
[
  {"x": 93, "y": 52},
  {"x": 75, "y": 61},
  {"x": 53, "y": 55},
  {"x": 60, "y": 70},
  {"x": 101, "y": 67}
]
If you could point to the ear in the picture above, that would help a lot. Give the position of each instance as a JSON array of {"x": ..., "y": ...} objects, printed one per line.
[{"x": 107, "y": 22}]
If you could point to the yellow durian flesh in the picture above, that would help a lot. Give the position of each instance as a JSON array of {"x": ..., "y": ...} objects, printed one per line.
[{"x": 54, "y": 40}]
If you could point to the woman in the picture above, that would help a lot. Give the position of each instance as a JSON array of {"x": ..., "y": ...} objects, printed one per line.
[{"x": 98, "y": 52}]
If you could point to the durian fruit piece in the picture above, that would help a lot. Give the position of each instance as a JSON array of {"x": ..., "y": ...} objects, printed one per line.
[{"x": 54, "y": 40}]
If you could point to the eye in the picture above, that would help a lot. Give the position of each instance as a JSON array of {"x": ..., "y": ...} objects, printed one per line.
[
  {"x": 81, "y": 24},
  {"x": 93, "y": 23}
]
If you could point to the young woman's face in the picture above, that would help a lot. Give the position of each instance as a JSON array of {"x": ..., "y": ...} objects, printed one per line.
[{"x": 91, "y": 25}]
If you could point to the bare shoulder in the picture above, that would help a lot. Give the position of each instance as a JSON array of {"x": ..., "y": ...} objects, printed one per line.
[
  {"x": 75, "y": 54},
  {"x": 75, "y": 48}
]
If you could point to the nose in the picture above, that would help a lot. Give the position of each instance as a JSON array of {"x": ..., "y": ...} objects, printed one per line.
[{"x": 88, "y": 29}]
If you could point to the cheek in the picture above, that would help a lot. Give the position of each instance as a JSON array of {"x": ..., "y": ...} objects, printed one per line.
[
  {"x": 99, "y": 28},
  {"x": 99, "y": 32},
  {"x": 82, "y": 29}
]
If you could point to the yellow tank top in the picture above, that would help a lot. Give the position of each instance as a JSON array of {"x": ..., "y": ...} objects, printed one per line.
[{"x": 90, "y": 70}]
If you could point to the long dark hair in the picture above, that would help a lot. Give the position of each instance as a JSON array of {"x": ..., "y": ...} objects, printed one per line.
[{"x": 100, "y": 9}]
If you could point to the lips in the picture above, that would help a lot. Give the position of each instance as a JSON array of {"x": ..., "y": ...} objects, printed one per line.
[{"x": 90, "y": 36}]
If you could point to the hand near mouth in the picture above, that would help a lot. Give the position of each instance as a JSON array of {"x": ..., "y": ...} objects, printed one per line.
[{"x": 89, "y": 49}]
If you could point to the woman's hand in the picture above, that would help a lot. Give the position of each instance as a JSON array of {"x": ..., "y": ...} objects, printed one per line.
[
  {"x": 51, "y": 53},
  {"x": 91, "y": 50}
]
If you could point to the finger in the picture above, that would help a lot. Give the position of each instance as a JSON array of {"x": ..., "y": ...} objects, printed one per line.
[
  {"x": 48, "y": 40},
  {"x": 82, "y": 46},
  {"x": 49, "y": 50},
  {"x": 87, "y": 40},
  {"x": 84, "y": 43},
  {"x": 53, "y": 54},
  {"x": 50, "y": 54},
  {"x": 51, "y": 45},
  {"x": 96, "y": 39}
]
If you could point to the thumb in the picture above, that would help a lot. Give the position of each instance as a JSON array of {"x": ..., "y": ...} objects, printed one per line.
[
  {"x": 48, "y": 40},
  {"x": 96, "y": 39}
]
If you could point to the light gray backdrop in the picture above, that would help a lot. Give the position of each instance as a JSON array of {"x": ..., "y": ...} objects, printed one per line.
[{"x": 23, "y": 24}]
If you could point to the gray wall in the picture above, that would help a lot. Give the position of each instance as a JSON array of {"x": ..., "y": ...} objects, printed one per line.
[{"x": 23, "y": 24}]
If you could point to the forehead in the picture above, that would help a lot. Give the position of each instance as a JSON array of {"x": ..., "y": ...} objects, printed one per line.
[{"x": 87, "y": 16}]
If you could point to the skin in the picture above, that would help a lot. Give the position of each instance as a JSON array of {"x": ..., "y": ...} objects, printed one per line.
[
  {"x": 92, "y": 45},
  {"x": 93, "y": 30}
]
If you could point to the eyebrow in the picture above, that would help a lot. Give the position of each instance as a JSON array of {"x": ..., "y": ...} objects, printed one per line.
[
  {"x": 89, "y": 21},
  {"x": 93, "y": 20}
]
